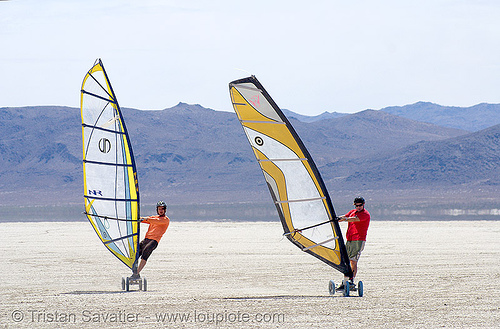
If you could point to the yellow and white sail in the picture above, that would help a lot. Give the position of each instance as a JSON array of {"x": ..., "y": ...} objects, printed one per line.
[
  {"x": 299, "y": 193},
  {"x": 111, "y": 191}
]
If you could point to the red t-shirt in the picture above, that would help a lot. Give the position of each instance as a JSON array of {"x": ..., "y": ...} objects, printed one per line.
[
  {"x": 157, "y": 227},
  {"x": 356, "y": 231}
]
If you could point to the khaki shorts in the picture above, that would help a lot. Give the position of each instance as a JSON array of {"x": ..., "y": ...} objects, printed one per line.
[{"x": 354, "y": 249}]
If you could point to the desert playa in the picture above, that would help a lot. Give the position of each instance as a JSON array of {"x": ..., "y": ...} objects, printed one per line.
[{"x": 442, "y": 274}]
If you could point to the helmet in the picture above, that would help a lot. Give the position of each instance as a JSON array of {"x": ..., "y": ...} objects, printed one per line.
[
  {"x": 161, "y": 204},
  {"x": 359, "y": 199}
]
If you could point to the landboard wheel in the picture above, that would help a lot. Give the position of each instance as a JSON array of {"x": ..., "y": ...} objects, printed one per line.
[
  {"x": 140, "y": 284},
  {"x": 331, "y": 287},
  {"x": 360, "y": 288},
  {"x": 127, "y": 284},
  {"x": 123, "y": 283},
  {"x": 144, "y": 284},
  {"x": 346, "y": 288}
]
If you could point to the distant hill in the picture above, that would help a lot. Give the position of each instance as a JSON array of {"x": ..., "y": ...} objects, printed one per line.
[
  {"x": 306, "y": 118},
  {"x": 189, "y": 154},
  {"x": 473, "y": 118},
  {"x": 365, "y": 133},
  {"x": 471, "y": 160}
]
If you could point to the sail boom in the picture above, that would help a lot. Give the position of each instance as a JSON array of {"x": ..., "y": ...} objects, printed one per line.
[
  {"x": 297, "y": 230},
  {"x": 114, "y": 218}
]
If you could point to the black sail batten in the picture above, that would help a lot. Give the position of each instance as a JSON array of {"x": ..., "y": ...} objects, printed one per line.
[
  {"x": 109, "y": 163},
  {"x": 111, "y": 93},
  {"x": 121, "y": 238},
  {"x": 108, "y": 199},
  {"x": 241, "y": 103},
  {"x": 103, "y": 129},
  {"x": 100, "y": 97}
]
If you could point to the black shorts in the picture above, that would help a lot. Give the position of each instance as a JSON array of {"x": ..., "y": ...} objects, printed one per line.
[{"x": 146, "y": 247}]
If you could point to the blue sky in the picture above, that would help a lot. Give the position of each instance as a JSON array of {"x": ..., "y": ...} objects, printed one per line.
[{"x": 312, "y": 56}]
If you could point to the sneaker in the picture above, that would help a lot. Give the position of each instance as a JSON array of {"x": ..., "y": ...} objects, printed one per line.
[{"x": 352, "y": 287}]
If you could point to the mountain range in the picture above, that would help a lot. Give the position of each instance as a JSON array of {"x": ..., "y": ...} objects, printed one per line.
[
  {"x": 471, "y": 118},
  {"x": 189, "y": 154}
]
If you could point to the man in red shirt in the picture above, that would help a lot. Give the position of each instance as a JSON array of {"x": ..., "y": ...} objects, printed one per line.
[
  {"x": 157, "y": 227},
  {"x": 358, "y": 221}
]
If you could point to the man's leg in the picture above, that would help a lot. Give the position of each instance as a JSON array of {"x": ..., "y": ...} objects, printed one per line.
[
  {"x": 354, "y": 267},
  {"x": 141, "y": 265}
]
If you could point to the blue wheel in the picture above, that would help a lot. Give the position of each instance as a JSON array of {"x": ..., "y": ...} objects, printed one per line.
[
  {"x": 360, "y": 288},
  {"x": 346, "y": 288},
  {"x": 331, "y": 287}
]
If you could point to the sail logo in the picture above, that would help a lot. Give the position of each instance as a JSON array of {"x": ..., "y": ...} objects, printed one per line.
[
  {"x": 95, "y": 192},
  {"x": 104, "y": 145},
  {"x": 255, "y": 100}
]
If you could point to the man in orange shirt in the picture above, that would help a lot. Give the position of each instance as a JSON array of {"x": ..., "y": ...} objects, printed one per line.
[{"x": 157, "y": 227}]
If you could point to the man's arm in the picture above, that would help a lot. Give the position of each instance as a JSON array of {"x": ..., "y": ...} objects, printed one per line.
[{"x": 349, "y": 219}]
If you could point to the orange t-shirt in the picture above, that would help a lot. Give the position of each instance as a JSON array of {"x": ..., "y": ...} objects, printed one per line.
[{"x": 157, "y": 227}]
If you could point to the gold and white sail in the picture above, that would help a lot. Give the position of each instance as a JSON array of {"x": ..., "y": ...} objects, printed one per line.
[{"x": 299, "y": 193}]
